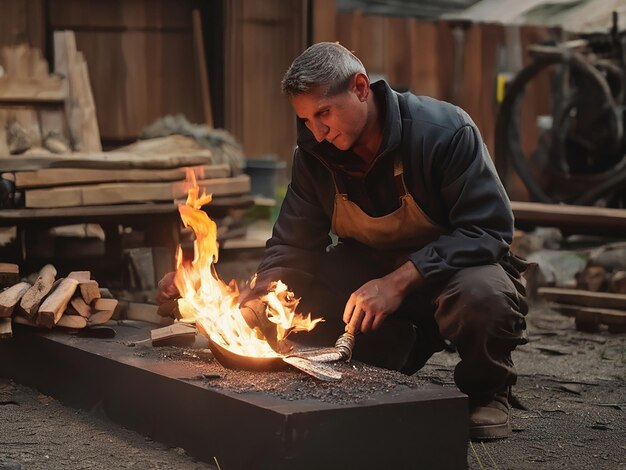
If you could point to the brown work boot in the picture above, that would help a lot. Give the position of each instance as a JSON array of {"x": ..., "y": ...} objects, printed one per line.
[{"x": 491, "y": 420}]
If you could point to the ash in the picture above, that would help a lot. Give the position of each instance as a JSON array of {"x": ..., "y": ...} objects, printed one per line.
[{"x": 360, "y": 382}]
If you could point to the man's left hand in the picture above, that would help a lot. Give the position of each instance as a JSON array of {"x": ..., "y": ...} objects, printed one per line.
[{"x": 370, "y": 304}]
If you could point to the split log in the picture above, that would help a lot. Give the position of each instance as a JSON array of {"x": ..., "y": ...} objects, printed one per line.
[
  {"x": 105, "y": 304},
  {"x": 81, "y": 307},
  {"x": 80, "y": 276},
  {"x": 55, "y": 304},
  {"x": 5, "y": 328},
  {"x": 33, "y": 296},
  {"x": 618, "y": 282},
  {"x": 9, "y": 274},
  {"x": 11, "y": 297},
  {"x": 583, "y": 298},
  {"x": 178, "y": 334},
  {"x": 72, "y": 321},
  {"x": 89, "y": 291},
  {"x": 101, "y": 316},
  {"x": 592, "y": 278}
]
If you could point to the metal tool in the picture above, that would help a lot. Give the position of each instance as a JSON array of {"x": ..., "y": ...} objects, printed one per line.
[{"x": 342, "y": 351}]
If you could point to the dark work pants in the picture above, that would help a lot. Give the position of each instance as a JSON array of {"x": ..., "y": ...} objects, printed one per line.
[{"x": 480, "y": 310}]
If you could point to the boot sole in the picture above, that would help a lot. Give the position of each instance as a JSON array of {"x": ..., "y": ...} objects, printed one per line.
[{"x": 489, "y": 433}]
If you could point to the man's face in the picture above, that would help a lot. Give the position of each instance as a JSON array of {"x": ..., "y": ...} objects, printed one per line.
[{"x": 339, "y": 119}]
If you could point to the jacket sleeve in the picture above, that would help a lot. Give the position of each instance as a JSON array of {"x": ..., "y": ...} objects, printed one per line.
[
  {"x": 300, "y": 234},
  {"x": 479, "y": 211}
]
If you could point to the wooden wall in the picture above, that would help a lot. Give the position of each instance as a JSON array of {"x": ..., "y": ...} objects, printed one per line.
[
  {"x": 262, "y": 39},
  {"x": 22, "y": 21},
  {"x": 141, "y": 60}
]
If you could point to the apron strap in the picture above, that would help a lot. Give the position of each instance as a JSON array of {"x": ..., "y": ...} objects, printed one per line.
[{"x": 398, "y": 171}]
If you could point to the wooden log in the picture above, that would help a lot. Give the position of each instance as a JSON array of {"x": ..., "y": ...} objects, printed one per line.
[
  {"x": 102, "y": 316},
  {"x": 9, "y": 274},
  {"x": 104, "y": 304},
  {"x": 89, "y": 291},
  {"x": 583, "y": 298},
  {"x": 72, "y": 321},
  {"x": 81, "y": 307},
  {"x": 10, "y": 297},
  {"x": 592, "y": 278},
  {"x": 33, "y": 296},
  {"x": 5, "y": 328},
  {"x": 54, "y": 305},
  {"x": 178, "y": 334},
  {"x": 618, "y": 282}
]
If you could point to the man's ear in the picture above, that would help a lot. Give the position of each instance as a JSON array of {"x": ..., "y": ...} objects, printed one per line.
[{"x": 361, "y": 86}]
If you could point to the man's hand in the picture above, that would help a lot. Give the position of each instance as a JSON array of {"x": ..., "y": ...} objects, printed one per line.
[
  {"x": 166, "y": 296},
  {"x": 370, "y": 304}
]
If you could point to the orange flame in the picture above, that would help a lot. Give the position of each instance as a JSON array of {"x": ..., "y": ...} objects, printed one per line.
[{"x": 212, "y": 303}]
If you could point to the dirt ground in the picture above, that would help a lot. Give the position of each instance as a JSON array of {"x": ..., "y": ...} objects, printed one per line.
[{"x": 571, "y": 397}]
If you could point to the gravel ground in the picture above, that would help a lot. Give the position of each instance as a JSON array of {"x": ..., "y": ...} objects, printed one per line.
[{"x": 571, "y": 388}]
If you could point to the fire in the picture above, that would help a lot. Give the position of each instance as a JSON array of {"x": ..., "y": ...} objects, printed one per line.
[{"x": 212, "y": 304}]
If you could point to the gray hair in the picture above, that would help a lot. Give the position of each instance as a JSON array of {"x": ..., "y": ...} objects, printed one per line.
[{"x": 326, "y": 64}]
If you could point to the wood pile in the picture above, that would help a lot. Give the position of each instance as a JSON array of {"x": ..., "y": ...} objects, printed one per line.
[
  {"x": 45, "y": 300},
  {"x": 599, "y": 297}
]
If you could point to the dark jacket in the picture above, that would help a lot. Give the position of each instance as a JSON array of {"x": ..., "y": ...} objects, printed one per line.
[{"x": 447, "y": 170}]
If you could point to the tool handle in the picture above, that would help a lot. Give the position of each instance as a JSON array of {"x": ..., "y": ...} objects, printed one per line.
[{"x": 345, "y": 345}]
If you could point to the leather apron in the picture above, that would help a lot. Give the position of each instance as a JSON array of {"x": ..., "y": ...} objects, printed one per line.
[{"x": 406, "y": 229}]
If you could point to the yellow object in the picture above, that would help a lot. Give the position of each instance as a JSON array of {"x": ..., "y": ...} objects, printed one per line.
[{"x": 502, "y": 80}]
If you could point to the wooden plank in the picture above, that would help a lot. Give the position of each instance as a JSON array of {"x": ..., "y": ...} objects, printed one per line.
[
  {"x": 62, "y": 176},
  {"x": 31, "y": 90},
  {"x": 108, "y": 160},
  {"x": 10, "y": 297},
  {"x": 35, "y": 294},
  {"x": 144, "y": 312},
  {"x": 572, "y": 219},
  {"x": 177, "y": 334},
  {"x": 79, "y": 104},
  {"x": 605, "y": 316},
  {"x": 115, "y": 193},
  {"x": 583, "y": 298},
  {"x": 198, "y": 42},
  {"x": 54, "y": 305}
]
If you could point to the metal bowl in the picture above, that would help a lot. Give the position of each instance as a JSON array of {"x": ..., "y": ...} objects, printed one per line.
[{"x": 232, "y": 360}]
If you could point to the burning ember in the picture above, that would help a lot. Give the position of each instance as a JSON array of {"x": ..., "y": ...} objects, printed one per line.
[{"x": 212, "y": 303}]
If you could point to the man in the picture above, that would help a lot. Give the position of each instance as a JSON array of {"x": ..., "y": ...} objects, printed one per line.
[{"x": 423, "y": 227}]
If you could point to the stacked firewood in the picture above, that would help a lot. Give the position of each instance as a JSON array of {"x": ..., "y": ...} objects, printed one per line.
[
  {"x": 74, "y": 301},
  {"x": 600, "y": 294}
]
